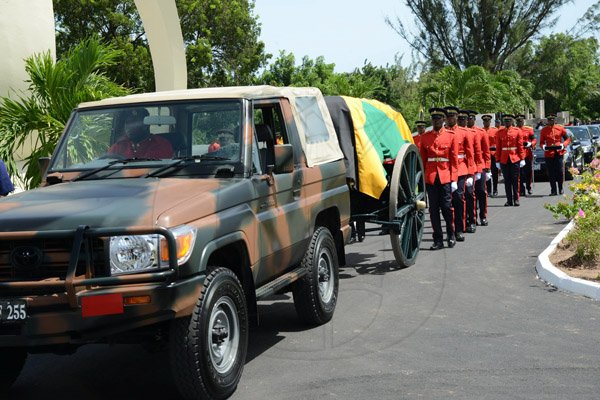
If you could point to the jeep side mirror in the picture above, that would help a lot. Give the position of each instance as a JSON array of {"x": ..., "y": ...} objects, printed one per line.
[{"x": 284, "y": 158}]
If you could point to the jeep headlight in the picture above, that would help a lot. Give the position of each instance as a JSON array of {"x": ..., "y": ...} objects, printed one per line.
[{"x": 143, "y": 253}]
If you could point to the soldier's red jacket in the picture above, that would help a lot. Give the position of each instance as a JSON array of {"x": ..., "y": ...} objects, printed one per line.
[
  {"x": 527, "y": 135},
  {"x": 491, "y": 135},
  {"x": 439, "y": 153},
  {"x": 477, "y": 156},
  {"x": 484, "y": 145},
  {"x": 553, "y": 136},
  {"x": 465, "y": 151},
  {"x": 509, "y": 145}
]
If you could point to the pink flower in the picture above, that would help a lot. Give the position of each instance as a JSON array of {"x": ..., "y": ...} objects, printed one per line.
[{"x": 581, "y": 213}]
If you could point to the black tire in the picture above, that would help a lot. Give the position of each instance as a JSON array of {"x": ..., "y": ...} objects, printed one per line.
[
  {"x": 208, "y": 349},
  {"x": 13, "y": 360},
  {"x": 315, "y": 294}
]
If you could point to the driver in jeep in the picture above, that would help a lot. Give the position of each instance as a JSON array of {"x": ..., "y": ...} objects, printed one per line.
[{"x": 138, "y": 142}]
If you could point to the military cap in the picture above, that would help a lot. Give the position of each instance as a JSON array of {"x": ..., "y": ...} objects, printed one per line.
[
  {"x": 551, "y": 116},
  {"x": 520, "y": 116},
  {"x": 471, "y": 113},
  {"x": 451, "y": 110},
  {"x": 463, "y": 113},
  {"x": 486, "y": 117},
  {"x": 508, "y": 116},
  {"x": 437, "y": 111},
  {"x": 420, "y": 123}
]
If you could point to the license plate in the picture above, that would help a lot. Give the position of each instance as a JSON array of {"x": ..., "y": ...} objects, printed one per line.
[
  {"x": 13, "y": 310},
  {"x": 537, "y": 167}
]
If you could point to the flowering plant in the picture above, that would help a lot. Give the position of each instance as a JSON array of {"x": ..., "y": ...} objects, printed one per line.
[{"x": 584, "y": 207}]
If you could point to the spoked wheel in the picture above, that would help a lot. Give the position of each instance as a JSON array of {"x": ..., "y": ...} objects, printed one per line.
[{"x": 407, "y": 204}]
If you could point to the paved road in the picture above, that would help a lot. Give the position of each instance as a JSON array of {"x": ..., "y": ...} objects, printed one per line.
[{"x": 471, "y": 322}]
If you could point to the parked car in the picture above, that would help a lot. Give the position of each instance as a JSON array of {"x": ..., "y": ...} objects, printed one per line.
[
  {"x": 573, "y": 157},
  {"x": 595, "y": 131},
  {"x": 583, "y": 137}
]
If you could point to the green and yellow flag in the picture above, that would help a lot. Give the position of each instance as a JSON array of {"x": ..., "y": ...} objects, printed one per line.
[{"x": 379, "y": 132}]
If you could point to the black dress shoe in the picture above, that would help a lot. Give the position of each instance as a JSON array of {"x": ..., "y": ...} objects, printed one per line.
[
  {"x": 484, "y": 222},
  {"x": 471, "y": 228},
  {"x": 522, "y": 193},
  {"x": 494, "y": 194},
  {"x": 552, "y": 194},
  {"x": 508, "y": 204},
  {"x": 451, "y": 242},
  {"x": 460, "y": 237},
  {"x": 529, "y": 192},
  {"x": 561, "y": 191},
  {"x": 516, "y": 203},
  {"x": 437, "y": 246}
]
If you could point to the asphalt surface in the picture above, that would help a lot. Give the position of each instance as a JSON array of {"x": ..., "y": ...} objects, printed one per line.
[{"x": 471, "y": 322}]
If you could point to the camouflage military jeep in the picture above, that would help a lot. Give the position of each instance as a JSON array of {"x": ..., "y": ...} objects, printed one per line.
[{"x": 230, "y": 195}]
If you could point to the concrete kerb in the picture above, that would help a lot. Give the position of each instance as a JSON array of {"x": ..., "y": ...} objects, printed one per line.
[{"x": 548, "y": 273}]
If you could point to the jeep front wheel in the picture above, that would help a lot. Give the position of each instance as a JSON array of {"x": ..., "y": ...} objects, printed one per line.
[
  {"x": 315, "y": 294},
  {"x": 13, "y": 360},
  {"x": 208, "y": 349}
]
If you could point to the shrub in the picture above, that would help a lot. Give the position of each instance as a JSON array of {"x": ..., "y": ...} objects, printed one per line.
[{"x": 584, "y": 207}]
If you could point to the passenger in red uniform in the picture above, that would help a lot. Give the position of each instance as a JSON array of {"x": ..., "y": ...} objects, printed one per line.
[
  {"x": 439, "y": 154},
  {"x": 483, "y": 169},
  {"x": 510, "y": 157},
  {"x": 492, "y": 178},
  {"x": 554, "y": 140},
  {"x": 466, "y": 169},
  {"x": 529, "y": 143},
  {"x": 138, "y": 142},
  {"x": 471, "y": 135}
]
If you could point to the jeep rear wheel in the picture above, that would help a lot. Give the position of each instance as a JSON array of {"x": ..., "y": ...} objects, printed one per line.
[
  {"x": 13, "y": 360},
  {"x": 315, "y": 294},
  {"x": 208, "y": 349}
]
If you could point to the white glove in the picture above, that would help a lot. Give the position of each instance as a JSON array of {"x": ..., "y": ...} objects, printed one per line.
[
  {"x": 562, "y": 146},
  {"x": 488, "y": 176},
  {"x": 527, "y": 144},
  {"x": 454, "y": 186},
  {"x": 522, "y": 163},
  {"x": 477, "y": 176},
  {"x": 544, "y": 147},
  {"x": 469, "y": 181},
  {"x": 498, "y": 165}
]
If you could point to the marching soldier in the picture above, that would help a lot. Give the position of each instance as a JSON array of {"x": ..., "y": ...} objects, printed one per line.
[
  {"x": 492, "y": 184},
  {"x": 439, "y": 155},
  {"x": 510, "y": 158},
  {"x": 420, "y": 131},
  {"x": 470, "y": 206},
  {"x": 529, "y": 142},
  {"x": 466, "y": 169},
  {"x": 554, "y": 140},
  {"x": 483, "y": 168}
]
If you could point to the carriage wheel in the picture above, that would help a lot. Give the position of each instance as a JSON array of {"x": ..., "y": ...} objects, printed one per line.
[{"x": 407, "y": 204}]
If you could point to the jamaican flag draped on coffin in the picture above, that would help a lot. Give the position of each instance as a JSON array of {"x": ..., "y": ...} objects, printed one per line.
[{"x": 371, "y": 131}]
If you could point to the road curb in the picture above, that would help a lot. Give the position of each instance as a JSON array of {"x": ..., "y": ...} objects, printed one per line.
[{"x": 548, "y": 273}]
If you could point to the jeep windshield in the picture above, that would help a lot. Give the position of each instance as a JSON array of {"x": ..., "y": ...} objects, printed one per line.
[{"x": 204, "y": 135}]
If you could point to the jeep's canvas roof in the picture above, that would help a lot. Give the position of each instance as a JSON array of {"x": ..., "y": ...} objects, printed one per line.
[{"x": 317, "y": 135}]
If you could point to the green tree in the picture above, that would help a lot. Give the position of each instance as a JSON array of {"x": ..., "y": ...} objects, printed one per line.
[
  {"x": 37, "y": 118},
  {"x": 476, "y": 88},
  {"x": 221, "y": 38},
  {"x": 462, "y": 33},
  {"x": 565, "y": 72}
]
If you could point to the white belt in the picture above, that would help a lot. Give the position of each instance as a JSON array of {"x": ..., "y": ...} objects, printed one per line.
[
  {"x": 509, "y": 148},
  {"x": 437, "y": 159},
  {"x": 461, "y": 156}
]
